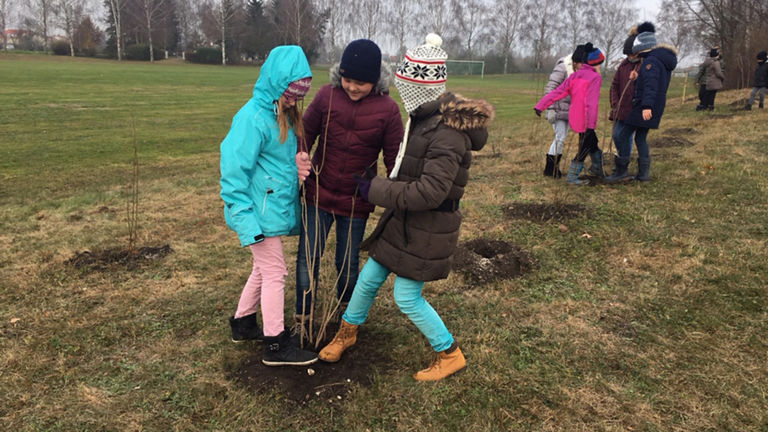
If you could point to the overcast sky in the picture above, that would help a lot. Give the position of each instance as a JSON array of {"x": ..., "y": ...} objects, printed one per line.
[{"x": 648, "y": 9}]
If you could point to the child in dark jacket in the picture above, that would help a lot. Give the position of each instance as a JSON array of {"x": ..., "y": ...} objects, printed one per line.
[
  {"x": 418, "y": 233},
  {"x": 584, "y": 89},
  {"x": 621, "y": 94},
  {"x": 648, "y": 102},
  {"x": 353, "y": 119},
  {"x": 761, "y": 80}
]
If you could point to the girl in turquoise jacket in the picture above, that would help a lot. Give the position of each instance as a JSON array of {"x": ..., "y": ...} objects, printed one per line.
[{"x": 259, "y": 186}]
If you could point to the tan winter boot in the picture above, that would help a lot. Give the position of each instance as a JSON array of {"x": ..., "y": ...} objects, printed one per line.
[
  {"x": 345, "y": 338},
  {"x": 446, "y": 363}
]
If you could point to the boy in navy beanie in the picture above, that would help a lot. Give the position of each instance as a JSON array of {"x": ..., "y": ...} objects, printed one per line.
[
  {"x": 351, "y": 121},
  {"x": 361, "y": 61}
]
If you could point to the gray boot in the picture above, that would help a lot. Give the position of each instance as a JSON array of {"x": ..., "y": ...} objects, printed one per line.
[
  {"x": 620, "y": 170},
  {"x": 597, "y": 164},
  {"x": 573, "y": 174},
  {"x": 643, "y": 169}
]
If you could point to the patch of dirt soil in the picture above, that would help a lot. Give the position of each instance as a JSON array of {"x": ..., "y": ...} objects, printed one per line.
[
  {"x": 680, "y": 131},
  {"x": 483, "y": 260},
  {"x": 543, "y": 212},
  {"x": 101, "y": 260},
  {"x": 331, "y": 381},
  {"x": 671, "y": 141},
  {"x": 739, "y": 103},
  {"x": 720, "y": 116}
]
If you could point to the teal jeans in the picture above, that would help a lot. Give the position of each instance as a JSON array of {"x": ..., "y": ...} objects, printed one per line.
[{"x": 408, "y": 298}]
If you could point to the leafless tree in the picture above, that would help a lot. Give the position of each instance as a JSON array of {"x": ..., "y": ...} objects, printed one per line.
[
  {"x": 42, "y": 10},
  {"x": 506, "y": 23},
  {"x": 678, "y": 25},
  {"x": 290, "y": 17},
  {"x": 218, "y": 16},
  {"x": 610, "y": 31},
  {"x": 336, "y": 12},
  {"x": 185, "y": 11},
  {"x": 542, "y": 25},
  {"x": 434, "y": 14},
  {"x": 116, "y": 7},
  {"x": 471, "y": 16},
  {"x": 575, "y": 20},
  {"x": 738, "y": 27},
  {"x": 70, "y": 13},
  {"x": 3, "y": 15},
  {"x": 151, "y": 9},
  {"x": 367, "y": 18},
  {"x": 398, "y": 18}
]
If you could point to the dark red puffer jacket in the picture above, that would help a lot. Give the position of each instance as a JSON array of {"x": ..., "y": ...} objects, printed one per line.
[{"x": 348, "y": 141}]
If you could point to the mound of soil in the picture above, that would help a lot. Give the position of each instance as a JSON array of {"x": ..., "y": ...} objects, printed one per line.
[
  {"x": 671, "y": 141},
  {"x": 331, "y": 381},
  {"x": 483, "y": 260},
  {"x": 543, "y": 212},
  {"x": 108, "y": 258}
]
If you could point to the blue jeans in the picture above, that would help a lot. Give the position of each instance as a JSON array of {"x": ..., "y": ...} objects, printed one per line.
[
  {"x": 408, "y": 298},
  {"x": 348, "y": 230},
  {"x": 622, "y": 137}
]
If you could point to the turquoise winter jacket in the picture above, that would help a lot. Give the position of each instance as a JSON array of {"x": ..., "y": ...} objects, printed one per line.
[{"x": 259, "y": 179}]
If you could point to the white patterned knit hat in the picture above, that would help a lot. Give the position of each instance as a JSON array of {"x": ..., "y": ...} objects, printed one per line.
[{"x": 421, "y": 76}]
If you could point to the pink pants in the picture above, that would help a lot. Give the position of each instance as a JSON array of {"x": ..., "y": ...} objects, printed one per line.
[{"x": 266, "y": 286}]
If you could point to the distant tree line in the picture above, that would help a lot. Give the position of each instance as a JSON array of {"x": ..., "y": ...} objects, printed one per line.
[{"x": 509, "y": 35}]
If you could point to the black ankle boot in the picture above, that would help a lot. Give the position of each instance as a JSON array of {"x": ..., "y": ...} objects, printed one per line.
[
  {"x": 281, "y": 350},
  {"x": 245, "y": 328},
  {"x": 549, "y": 166}
]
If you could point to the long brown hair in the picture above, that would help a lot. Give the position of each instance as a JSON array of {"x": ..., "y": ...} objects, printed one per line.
[{"x": 287, "y": 118}]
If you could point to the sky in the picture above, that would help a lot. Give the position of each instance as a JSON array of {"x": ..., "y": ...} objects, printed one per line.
[{"x": 648, "y": 9}]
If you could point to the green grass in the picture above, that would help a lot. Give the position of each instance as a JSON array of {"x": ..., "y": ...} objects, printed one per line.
[{"x": 649, "y": 313}]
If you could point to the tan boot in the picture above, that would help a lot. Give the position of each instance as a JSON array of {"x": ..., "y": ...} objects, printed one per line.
[
  {"x": 345, "y": 338},
  {"x": 446, "y": 363}
]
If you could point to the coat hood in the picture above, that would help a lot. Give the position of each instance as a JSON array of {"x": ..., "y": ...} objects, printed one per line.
[
  {"x": 667, "y": 54},
  {"x": 381, "y": 87},
  {"x": 284, "y": 65},
  {"x": 472, "y": 116}
]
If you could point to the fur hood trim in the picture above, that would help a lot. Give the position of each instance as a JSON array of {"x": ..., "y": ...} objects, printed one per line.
[
  {"x": 466, "y": 114},
  {"x": 382, "y": 87},
  {"x": 667, "y": 46}
]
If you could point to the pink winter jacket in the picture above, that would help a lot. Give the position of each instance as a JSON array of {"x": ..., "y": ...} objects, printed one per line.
[{"x": 583, "y": 86}]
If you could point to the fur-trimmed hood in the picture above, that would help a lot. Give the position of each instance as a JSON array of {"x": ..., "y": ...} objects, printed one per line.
[
  {"x": 382, "y": 87},
  {"x": 466, "y": 114},
  {"x": 667, "y": 54}
]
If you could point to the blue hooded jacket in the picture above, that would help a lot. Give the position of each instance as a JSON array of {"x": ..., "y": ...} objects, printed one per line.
[
  {"x": 651, "y": 86},
  {"x": 259, "y": 178}
]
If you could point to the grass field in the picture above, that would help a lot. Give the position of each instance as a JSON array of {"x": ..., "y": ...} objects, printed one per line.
[{"x": 648, "y": 312}]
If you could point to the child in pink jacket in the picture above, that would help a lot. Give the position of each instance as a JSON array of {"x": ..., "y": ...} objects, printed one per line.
[{"x": 583, "y": 86}]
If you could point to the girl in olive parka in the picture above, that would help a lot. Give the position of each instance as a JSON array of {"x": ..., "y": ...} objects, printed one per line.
[{"x": 418, "y": 233}]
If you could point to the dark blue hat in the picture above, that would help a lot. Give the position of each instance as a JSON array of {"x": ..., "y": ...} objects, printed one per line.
[{"x": 361, "y": 61}]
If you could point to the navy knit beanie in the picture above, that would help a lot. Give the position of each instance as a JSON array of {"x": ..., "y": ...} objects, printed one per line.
[
  {"x": 361, "y": 61},
  {"x": 578, "y": 54}
]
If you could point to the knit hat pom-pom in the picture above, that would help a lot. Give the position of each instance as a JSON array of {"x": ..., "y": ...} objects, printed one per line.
[
  {"x": 434, "y": 39},
  {"x": 646, "y": 27}
]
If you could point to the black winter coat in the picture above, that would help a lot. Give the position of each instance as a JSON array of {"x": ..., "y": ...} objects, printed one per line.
[{"x": 761, "y": 75}]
